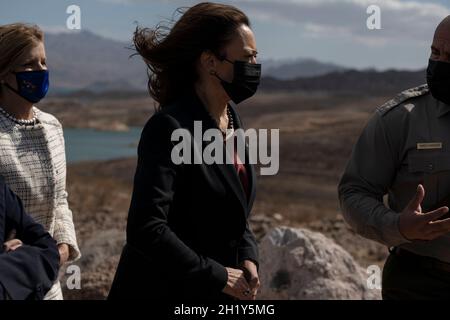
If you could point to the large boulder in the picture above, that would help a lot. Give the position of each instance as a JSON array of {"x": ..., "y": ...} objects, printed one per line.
[{"x": 302, "y": 264}]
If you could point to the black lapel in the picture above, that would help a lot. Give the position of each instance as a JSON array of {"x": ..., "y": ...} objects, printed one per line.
[
  {"x": 248, "y": 166},
  {"x": 227, "y": 171}
]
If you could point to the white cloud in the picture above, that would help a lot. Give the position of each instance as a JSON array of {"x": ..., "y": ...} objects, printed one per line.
[
  {"x": 130, "y": 2},
  {"x": 121, "y": 1},
  {"x": 402, "y": 21},
  {"x": 56, "y": 29}
]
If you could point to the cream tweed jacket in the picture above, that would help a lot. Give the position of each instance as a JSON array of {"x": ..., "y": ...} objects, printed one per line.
[{"x": 33, "y": 163}]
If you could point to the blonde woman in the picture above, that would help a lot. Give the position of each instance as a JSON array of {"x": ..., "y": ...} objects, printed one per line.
[{"x": 32, "y": 154}]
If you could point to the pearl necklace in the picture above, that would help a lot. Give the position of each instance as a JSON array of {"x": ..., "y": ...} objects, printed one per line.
[
  {"x": 230, "y": 119},
  {"x": 29, "y": 122},
  {"x": 230, "y": 123},
  {"x": 230, "y": 127}
]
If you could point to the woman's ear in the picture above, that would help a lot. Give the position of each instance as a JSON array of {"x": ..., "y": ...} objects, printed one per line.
[{"x": 208, "y": 62}]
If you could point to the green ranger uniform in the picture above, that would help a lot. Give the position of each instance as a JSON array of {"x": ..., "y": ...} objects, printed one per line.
[{"x": 405, "y": 143}]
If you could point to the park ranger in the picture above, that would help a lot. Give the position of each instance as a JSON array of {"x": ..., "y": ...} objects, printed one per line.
[{"x": 404, "y": 153}]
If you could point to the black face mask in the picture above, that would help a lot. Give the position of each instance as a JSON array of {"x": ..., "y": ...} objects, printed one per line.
[
  {"x": 245, "y": 81},
  {"x": 438, "y": 79}
]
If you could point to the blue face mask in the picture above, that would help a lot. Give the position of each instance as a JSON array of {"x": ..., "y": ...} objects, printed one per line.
[{"x": 31, "y": 85}]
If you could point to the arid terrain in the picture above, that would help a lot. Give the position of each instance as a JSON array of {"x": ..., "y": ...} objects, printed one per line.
[{"x": 317, "y": 132}]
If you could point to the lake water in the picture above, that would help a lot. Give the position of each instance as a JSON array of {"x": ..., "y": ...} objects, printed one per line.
[{"x": 89, "y": 144}]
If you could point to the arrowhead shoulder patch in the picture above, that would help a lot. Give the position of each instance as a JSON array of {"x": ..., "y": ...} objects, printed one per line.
[{"x": 402, "y": 97}]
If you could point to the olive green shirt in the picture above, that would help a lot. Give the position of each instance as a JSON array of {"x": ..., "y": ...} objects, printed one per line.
[{"x": 405, "y": 143}]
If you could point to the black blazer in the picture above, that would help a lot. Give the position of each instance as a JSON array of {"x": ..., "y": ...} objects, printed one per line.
[
  {"x": 186, "y": 222},
  {"x": 29, "y": 271}
]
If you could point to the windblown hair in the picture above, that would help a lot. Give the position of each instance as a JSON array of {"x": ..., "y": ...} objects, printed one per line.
[{"x": 171, "y": 54}]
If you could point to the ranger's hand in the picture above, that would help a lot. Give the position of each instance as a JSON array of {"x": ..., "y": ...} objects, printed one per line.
[{"x": 416, "y": 225}]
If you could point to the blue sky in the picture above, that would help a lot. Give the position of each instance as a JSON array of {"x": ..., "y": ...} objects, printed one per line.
[{"x": 328, "y": 30}]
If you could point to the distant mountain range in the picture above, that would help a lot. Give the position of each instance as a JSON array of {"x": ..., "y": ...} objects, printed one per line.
[
  {"x": 351, "y": 81},
  {"x": 84, "y": 60},
  {"x": 297, "y": 68},
  {"x": 88, "y": 62}
]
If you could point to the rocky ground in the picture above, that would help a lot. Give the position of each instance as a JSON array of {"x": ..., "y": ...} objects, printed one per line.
[{"x": 316, "y": 132}]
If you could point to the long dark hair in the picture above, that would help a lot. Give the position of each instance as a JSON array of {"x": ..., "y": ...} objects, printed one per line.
[{"x": 171, "y": 54}]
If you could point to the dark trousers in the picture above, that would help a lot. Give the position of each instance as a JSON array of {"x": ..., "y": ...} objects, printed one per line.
[{"x": 408, "y": 276}]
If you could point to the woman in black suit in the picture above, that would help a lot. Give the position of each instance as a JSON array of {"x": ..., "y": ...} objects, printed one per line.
[{"x": 188, "y": 236}]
